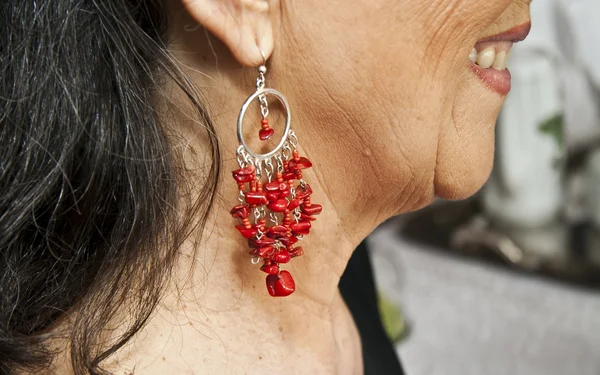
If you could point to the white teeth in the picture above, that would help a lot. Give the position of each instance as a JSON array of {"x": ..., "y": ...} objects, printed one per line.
[
  {"x": 489, "y": 58},
  {"x": 500, "y": 61},
  {"x": 486, "y": 58},
  {"x": 473, "y": 56}
]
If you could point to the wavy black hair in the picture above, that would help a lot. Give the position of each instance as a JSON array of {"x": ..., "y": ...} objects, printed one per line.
[{"x": 89, "y": 182}]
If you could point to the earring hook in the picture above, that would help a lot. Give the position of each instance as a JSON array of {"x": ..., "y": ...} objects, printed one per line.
[{"x": 263, "y": 56}]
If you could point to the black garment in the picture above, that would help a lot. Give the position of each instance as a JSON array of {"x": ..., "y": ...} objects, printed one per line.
[{"x": 357, "y": 287}]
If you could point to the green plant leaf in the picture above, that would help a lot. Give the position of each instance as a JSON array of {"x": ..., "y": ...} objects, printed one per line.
[{"x": 554, "y": 127}]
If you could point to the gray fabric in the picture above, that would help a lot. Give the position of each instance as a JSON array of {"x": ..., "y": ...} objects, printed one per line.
[{"x": 469, "y": 318}]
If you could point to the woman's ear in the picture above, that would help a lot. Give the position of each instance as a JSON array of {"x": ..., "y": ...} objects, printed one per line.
[{"x": 244, "y": 26}]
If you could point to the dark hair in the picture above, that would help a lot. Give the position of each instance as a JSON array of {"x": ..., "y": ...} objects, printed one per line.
[{"x": 89, "y": 184}]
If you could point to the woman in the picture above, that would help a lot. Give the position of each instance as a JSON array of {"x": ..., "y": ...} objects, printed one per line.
[{"x": 119, "y": 252}]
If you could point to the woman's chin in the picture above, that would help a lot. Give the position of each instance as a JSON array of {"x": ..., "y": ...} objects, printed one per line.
[{"x": 461, "y": 179}]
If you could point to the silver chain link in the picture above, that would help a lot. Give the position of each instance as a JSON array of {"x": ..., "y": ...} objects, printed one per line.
[
  {"x": 293, "y": 139},
  {"x": 240, "y": 155},
  {"x": 269, "y": 169},
  {"x": 273, "y": 218},
  {"x": 260, "y": 80},
  {"x": 279, "y": 159},
  {"x": 286, "y": 151},
  {"x": 262, "y": 98},
  {"x": 264, "y": 106},
  {"x": 258, "y": 165}
]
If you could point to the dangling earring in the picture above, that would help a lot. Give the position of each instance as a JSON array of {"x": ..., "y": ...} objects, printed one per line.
[{"x": 274, "y": 201}]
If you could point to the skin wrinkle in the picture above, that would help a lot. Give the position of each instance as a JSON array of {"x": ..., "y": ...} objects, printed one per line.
[
  {"x": 340, "y": 258},
  {"x": 346, "y": 120},
  {"x": 436, "y": 42},
  {"x": 422, "y": 196},
  {"x": 374, "y": 168},
  {"x": 355, "y": 128},
  {"x": 401, "y": 194}
]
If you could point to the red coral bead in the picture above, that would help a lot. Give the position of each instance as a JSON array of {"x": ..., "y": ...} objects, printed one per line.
[
  {"x": 288, "y": 241},
  {"x": 296, "y": 252},
  {"x": 253, "y": 242},
  {"x": 272, "y": 186},
  {"x": 281, "y": 285},
  {"x": 244, "y": 174},
  {"x": 282, "y": 256},
  {"x": 275, "y": 188},
  {"x": 294, "y": 203},
  {"x": 287, "y": 176},
  {"x": 247, "y": 232},
  {"x": 279, "y": 205},
  {"x": 240, "y": 211},
  {"x": 301, "y": 227},
  {"x": 314, "y": 209},
  {"x": 271, "y": 269},
  {"x": 303, "y": 193},
  {"x": 301, "y": 163},
  {"x": 256, "y": 197},
  {"x": 265, "y": 134},
  {"x": 306, "y": 217},
  {"x": 278, "y": 231},
  {"x": 266, "y": 252},
  {"x": 253, "y": 252},
  {"x": 263, "y": 252},
  {"x": 273, "y": 196}
]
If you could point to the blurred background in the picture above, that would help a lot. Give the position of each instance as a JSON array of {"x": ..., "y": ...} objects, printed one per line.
[{"x": 508, "y": 282}]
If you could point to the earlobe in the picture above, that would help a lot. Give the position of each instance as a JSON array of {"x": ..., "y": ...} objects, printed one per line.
[{"x": 244, "y": 26}]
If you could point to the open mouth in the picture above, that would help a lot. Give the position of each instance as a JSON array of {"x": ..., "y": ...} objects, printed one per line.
[{"x": 489, "y": 57}]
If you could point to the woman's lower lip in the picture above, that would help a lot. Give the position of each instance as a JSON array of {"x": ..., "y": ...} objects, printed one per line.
[{"x": 496, "y": 80}]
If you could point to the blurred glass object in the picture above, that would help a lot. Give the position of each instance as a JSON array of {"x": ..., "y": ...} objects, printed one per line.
[{"x": 524, "y": 195}]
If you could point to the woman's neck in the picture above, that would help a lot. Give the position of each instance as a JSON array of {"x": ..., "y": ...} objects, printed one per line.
[{"x": 217, "y": 316}]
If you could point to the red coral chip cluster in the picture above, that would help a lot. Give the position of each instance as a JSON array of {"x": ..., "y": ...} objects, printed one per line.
[{"x": 288, "y": 198}]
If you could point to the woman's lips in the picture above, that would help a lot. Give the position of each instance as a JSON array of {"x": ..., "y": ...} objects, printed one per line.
[
  {"x": 516, "y": 34},
  {"x": 497, "y": 80},
  {"x": 490, "y": 55}
]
